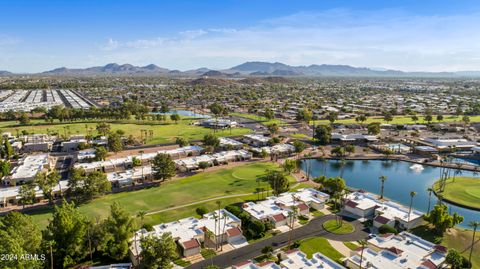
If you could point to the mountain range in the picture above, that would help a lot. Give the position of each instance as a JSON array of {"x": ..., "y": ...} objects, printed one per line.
[{"x": 247, "y": 69}]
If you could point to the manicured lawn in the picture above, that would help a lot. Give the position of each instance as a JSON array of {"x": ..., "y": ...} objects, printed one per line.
[
  {"x": 261, "y": 119},
  {"x": 334, "y": 227},
  {"x": 162, "y": 132},
  {"x": 402, "y": 120},
  {"x": 223, "y": 182},
  {"x": 464, "y": 191},
  {"x": 313, "y": 245},
  {"x": 459, "y": 239},
  {"x": 351, "y": 245}
]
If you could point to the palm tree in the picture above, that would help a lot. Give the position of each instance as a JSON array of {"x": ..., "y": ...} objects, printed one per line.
[
  {"x": 141, "y": 163},
  {"x": 430, "y": 190},
  {"x": 412, "y": 194},
  {"x": 141, "y": 214},
  {"x": 474, "y": 225},
  {"x": 363, "y": 244},
  {"x": 382, "y": 179}
]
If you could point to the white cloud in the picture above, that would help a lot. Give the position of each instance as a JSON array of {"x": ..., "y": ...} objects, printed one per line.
[{"x": 384, "y": 38}]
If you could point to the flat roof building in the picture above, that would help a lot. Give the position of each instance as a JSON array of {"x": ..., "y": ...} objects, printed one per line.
[
  {"x": 367, "y": 206},
  {"x": 402, "y": 251},
  {"x": 27, "y": 169}
]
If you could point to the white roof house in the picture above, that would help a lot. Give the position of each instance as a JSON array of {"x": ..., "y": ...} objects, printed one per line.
[
  {"x": 443, "y": 143},
  {"x": 11, "y": 194},
  {"x": 276, "y": 149},
  {"x": 296, "y": 259},
  {"x": 353, "y": 137},
  {"x": 225, "y": 142},
  {"x": 185, "y": 230},
  {"x": 400, "y": 251},
  {"x": 28, "y": 168},
  {"x": 367, "y": 205},
  {"x": 282, "y": 205}
]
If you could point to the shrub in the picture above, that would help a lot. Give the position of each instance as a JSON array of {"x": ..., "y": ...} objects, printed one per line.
[
  {"x": 201, "y": 210},
  {"x": 385, "y": 229}
]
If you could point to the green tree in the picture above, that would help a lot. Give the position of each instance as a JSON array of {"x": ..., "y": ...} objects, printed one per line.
[
  {"x": 299, "y": 146},
  {"x": 382, "y": 180},
  {"x": 332, "y": 117},
  {"x": 414, "y": 118},
  {"x": 27, "y": 194},
  {"x": 181, "y": 141},
  {"x": 67, "y": 230},
  {"x": 304, "y": 115},
  {"x": 19, "y": 235},
  {"x": 278, "y": 181},
  {"x": 290, "y": 166},
  {"x": 441, "y": 220},
  {"x": 163, "y": 167},
  {"x": 373, "y": 128},
  {"x": 323, "y": 134},
  {"x": 100, "y": 153},
  {"x": 439, "y": 117},
  {"x": 4, "y": 168},
  {"x": 175, "y": 118},
  {"x": 203, "y": 165},
  {"x": 95, "y": 184},
  {"x": 8, "y": 149},
  {"x": 269, "y": 114},
  {"x": 115, "y": 143},
  {"x": 24, "y": 119},
  {"x": 474, "y": 225},
  {"x": 158, "y": 252},
  {"x": 454, "y": 259},
  {"x": 273, "y": 128},
  {"x": 46, "y": 182},
  {"x": 211, "y": 140},
  {"x": 387, "y": 117},
  {"x": 103, "y": 128},
  {"x": 119, "y": 229}
]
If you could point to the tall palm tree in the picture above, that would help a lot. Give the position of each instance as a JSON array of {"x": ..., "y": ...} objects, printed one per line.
[
  {"x": 141, "y": 163},
  {"x": 474, "y": 225},
  {"x": 141, "y": 214},
  {"x": 412, "y": 194},
  {"x": 382, "y": 179},
  {"x": 363, "y": 244},
  {"x": 430, "y": 190}
]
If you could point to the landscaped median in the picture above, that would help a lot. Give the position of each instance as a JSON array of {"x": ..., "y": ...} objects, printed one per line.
[
  {"x": 462, "y": 191},
  {"x": 338, "y": 227}
]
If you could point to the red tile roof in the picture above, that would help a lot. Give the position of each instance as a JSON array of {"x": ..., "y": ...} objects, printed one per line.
[
  {"x": 302, "y": 207},
  {"x": 395, "y": 250},
  {"x": 441, "y": 248},
  {"x": 264, "y": 263},
  {"x": 351, "y": 204},
  {"x": 234, "y": 231},
  {"x": 278, "y": 217},
  {"x": 381, "y": 219},
  {"x": 192, "y": 243},
  {"x": 429, "y": 264}
]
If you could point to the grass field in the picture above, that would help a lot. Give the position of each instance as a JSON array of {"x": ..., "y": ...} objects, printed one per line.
[
  {"x": 313, "y": 245},
  {"x": 464, "y": 191},
  {"x": 162, "y": 132},
  {"x": 223, "y": 182},
  {"x": 459, "y": 239},
  {"x": 333, "y": 227},
  {"x": 258, "y": 118},
  {"x": 402, "y": 120},
  {"x": 351, "y": 245}
]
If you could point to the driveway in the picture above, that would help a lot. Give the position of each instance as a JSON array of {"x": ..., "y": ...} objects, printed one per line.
[{"x": 312, "y": 229}]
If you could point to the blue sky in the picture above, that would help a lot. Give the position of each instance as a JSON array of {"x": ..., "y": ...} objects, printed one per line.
[{"x": 406, "y": 35}]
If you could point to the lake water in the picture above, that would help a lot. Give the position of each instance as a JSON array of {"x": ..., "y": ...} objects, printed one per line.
[
  {"x": 186, "y": 113},
  {"x": 401, "y": 181}
]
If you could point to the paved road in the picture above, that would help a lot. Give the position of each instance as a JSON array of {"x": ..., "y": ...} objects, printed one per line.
[{"x": 313, "y": 228}]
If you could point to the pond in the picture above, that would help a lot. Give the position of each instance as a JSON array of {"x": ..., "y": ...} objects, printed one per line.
[
  {"x": 402, "y": 179},
  {"x": 186, "y": 113}
]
